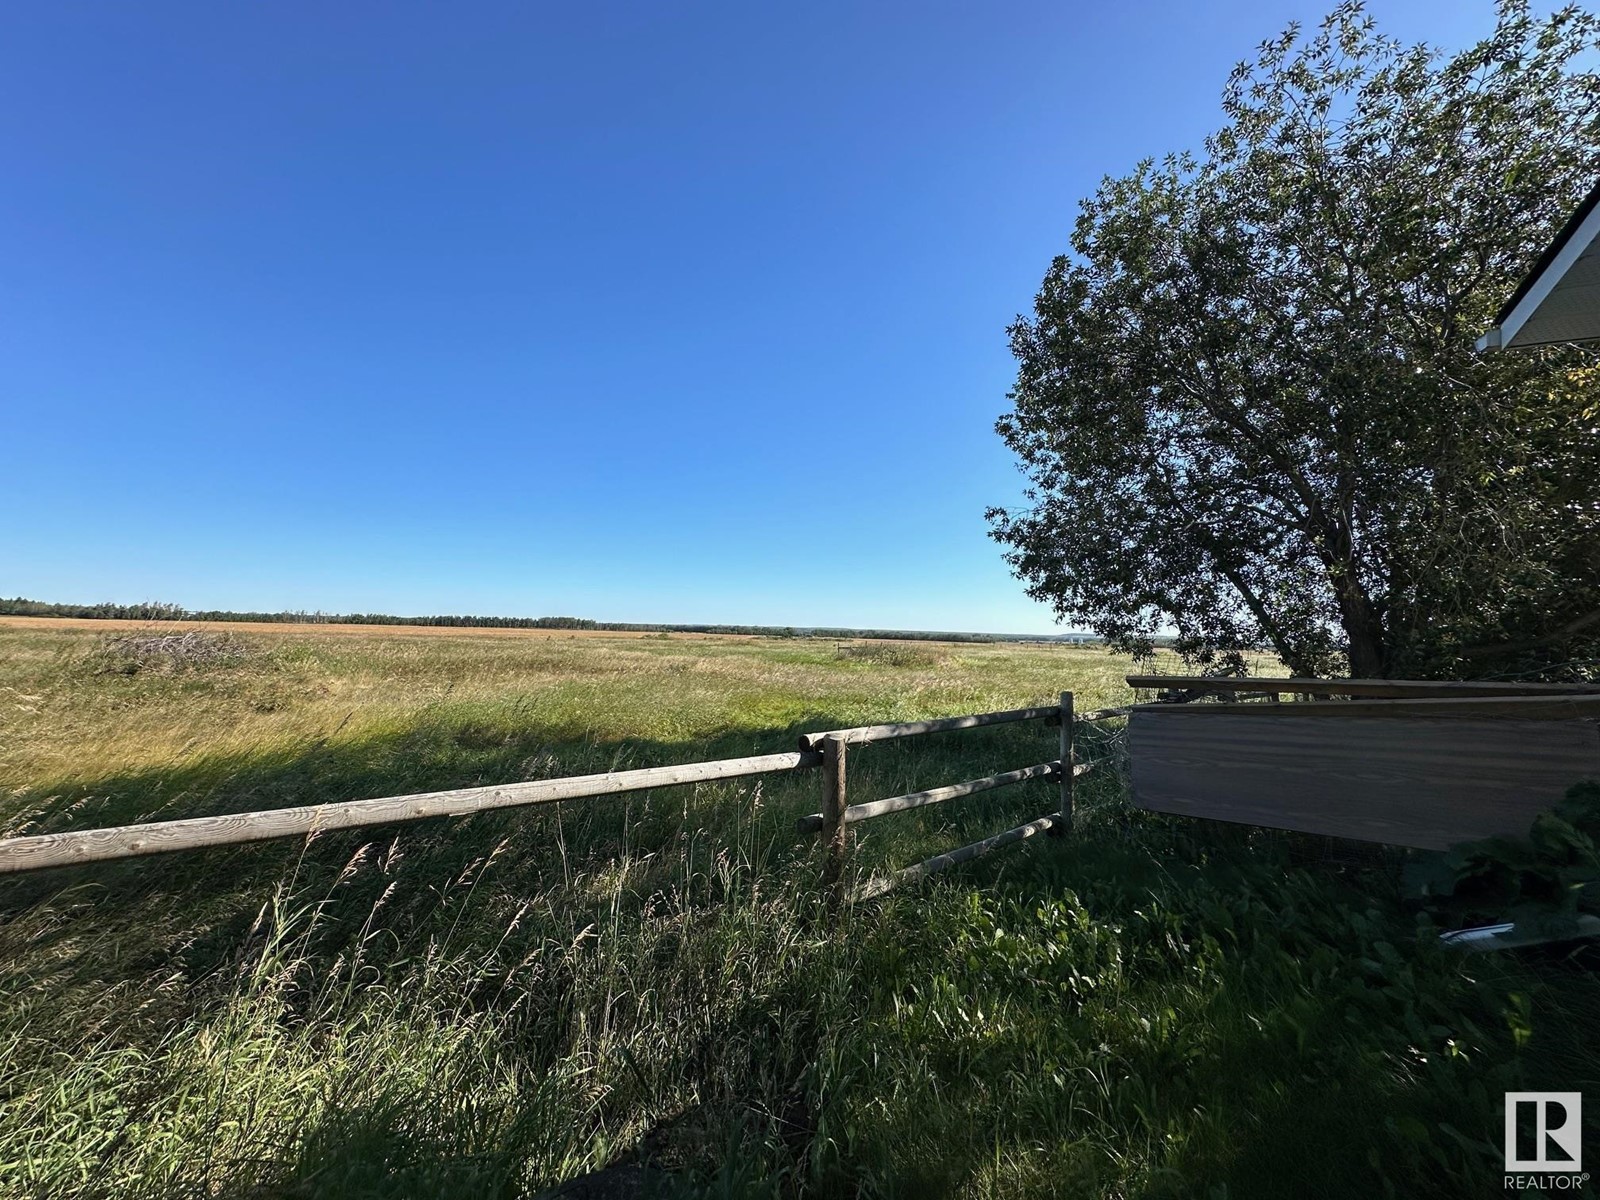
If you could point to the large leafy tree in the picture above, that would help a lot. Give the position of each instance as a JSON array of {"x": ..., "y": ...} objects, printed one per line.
[{"x": 1249, "y": 404}]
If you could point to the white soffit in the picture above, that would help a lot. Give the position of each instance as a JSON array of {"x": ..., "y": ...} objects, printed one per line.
[{"x": 1559, "y": 301}]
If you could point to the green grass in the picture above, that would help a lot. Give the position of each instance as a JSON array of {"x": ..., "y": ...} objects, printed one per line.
[{"x": 489, "y": 1006}]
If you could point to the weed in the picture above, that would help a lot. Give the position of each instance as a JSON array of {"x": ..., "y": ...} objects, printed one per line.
[{"x": 885, "y": 654}]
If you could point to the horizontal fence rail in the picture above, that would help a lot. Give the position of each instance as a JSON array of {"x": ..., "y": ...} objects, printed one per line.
[
  {"x": 160, "y": 837},
  {"x": 940, "y": 862},
  {"x": 1104, "y": 714},
  {"x": 812, "y": 822},
  {"x": 864, "y": 734}
]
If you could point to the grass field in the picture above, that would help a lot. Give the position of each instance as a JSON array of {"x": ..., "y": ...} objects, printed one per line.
[{"x": 494, "y": 1005}]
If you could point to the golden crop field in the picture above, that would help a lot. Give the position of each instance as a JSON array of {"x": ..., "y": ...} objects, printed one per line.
[{"x": 335, "y": 628}]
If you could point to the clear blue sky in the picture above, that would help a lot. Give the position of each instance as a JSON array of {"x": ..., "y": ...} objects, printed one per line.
[{"x": 687, "y": 312}]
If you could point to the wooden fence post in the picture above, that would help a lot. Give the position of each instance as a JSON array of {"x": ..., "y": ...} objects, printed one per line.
[
  {"x": 1066, "y": 761},
  {"x": 835, "y": 832}
]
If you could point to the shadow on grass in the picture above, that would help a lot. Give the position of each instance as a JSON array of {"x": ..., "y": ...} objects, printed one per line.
[
  {"x": 1147, "y": 991},
  {"x": 1184, "y": 996}
]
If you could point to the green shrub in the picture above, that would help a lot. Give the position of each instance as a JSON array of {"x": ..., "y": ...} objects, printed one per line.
[{"x": 1541, "y": 882}]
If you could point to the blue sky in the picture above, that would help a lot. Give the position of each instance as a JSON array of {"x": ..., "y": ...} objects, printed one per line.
[{"x": 688, "y": 312}]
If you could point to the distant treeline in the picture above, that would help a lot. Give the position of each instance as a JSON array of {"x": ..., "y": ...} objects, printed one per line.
[{"x": 154, "y": 611}]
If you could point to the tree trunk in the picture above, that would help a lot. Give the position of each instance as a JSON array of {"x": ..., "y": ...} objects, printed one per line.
[
  {"x": 1363, "y": 624},
  {"x": 1366, "y": 655},
  {"x": 1363, "y": 629}
]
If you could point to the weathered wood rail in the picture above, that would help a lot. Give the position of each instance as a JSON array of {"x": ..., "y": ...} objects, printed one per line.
[
  {"x": 865, "y": 734},
  {"x": 162, "y": 837},
  {"x": 955, "y": 791},
  {"x": 939, "y": 862}
]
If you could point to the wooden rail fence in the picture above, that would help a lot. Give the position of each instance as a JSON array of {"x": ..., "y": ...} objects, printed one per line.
[
  {"x": 832, "y": 824},
  {"x": 825, "y": 750}
]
